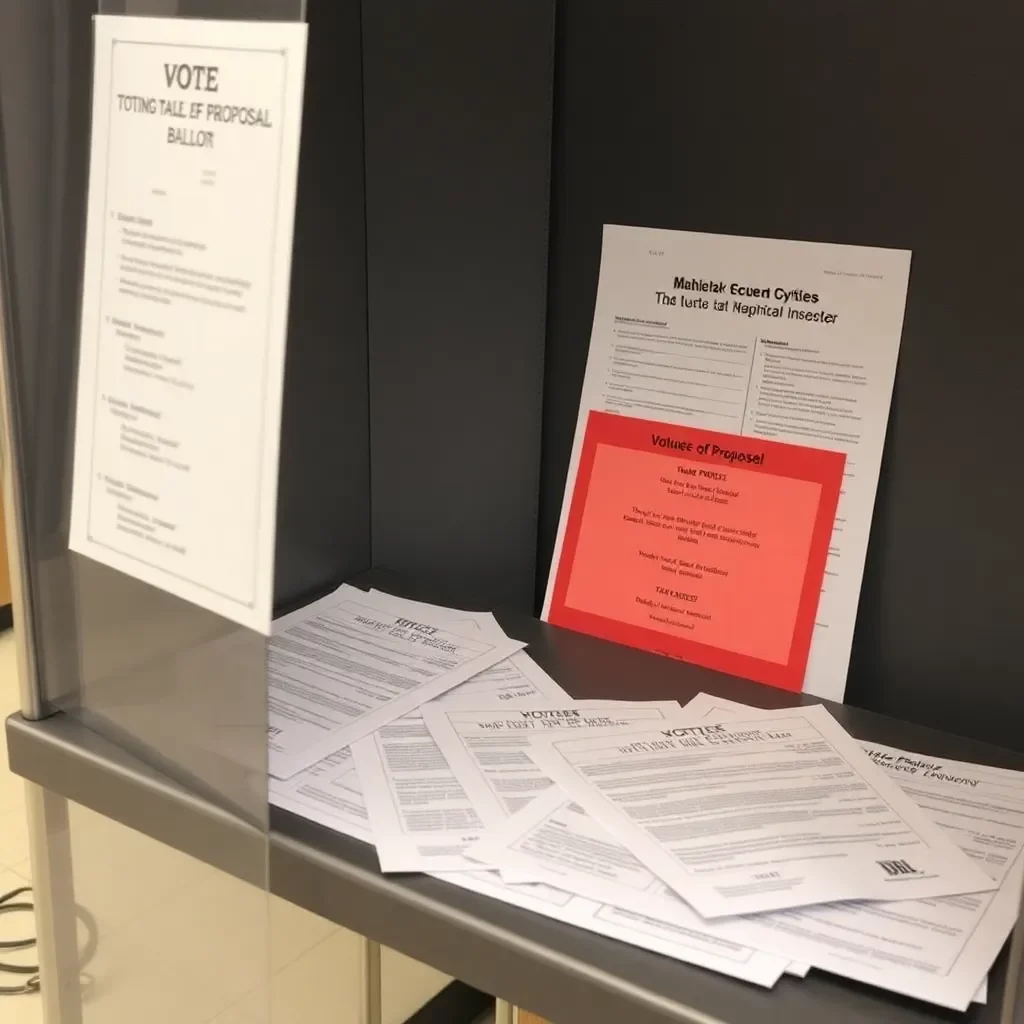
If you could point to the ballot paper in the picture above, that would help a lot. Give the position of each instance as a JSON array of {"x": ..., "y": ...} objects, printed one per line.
[
  {"x": 488, "y": 750},
  {"x": 513, "y": 680},
  {"x": 553, "y": 841},
  {"x": 679, "y": 943},
  {"x": 429, "y": 799},
  {"x": 334, "y": 801},
  {"x": 329, "y": 792},
  {"x": 348, "y": 664},
  {"x": 457, "y": 618},
  {"x": 777, "y": 810},
  {"x": 793, "y": 341},
  {"x": 939, "y": 950}
]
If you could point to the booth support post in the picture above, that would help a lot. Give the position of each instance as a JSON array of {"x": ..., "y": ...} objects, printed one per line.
[
  {"x": 53, "y": 892},
  {"x": 370, "y": 969}
]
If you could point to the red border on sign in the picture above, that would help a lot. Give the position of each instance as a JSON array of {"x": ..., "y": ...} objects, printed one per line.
[{"x": 784, "y": 460}]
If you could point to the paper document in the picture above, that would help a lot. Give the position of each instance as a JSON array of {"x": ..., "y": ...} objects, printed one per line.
[
  {"x": 457, "y": 618},
  {"x": 763, "y": 338},
  {"x": 332, "y": 800},
  {"x": 554, "y": 841},
  {"x": 488, "y": 750},
  {"x": 344, "y": 666},
  {"x": 329, "y": 793},
  {"x": 776, "y": 810},
  {"x": 429, "y": 799},
  {"x": 939, "y": 950},
  {"x": 636, "y": 929},
  {"x": 192, "y": 181},
  {"x": 513, "y": 680}
]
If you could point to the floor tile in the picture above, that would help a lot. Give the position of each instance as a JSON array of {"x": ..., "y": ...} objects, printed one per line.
[
  {"x": 406, "y": 985},
  {"x": 14, "y": 847},
  {"x": 22, "y": 1009},
  {"x": 294, "y": 931},
  {"x": 320, "y": 987},
  {"x": 12, "y": 790}
]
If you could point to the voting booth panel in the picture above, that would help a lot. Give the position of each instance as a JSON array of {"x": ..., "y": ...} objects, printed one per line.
[
  {"x": 179, "y": 686},
  {"x": 843, "y": 123},
  {"x": 458, "y": 135},
  {"x": 458, "y": 162},
  {"x": 837, "y": 127}
]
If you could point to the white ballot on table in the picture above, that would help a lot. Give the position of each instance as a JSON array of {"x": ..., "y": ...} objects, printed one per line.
[
  {"x": 344, "y": 666},
  {"x": 193, "y": 167},
  {"x": 775, "y": 810},
  {"x": 635, "y": 929},
  {"x": 427, "y": 808},
  {"x": 457, "y": 618},
  {"x": 553, "y": 841},
  {"x": 332, "y": 800},
  {"x": 328, "y": 792},
  {"x": 939, "y": 950},
  {"x": 513, "y": 680},
  {"x": 488, "y": 750},
  {"x": 760, "y": 337}
]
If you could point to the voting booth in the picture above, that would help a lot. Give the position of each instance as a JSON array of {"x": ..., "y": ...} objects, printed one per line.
[{"x": 457, "y": 166}]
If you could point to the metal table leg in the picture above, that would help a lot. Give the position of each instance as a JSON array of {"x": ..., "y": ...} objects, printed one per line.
[
  {"x": 54, "y": 893},
  {"x": 504, "y": 1013},
  {"x": 370, "y": 1008}
]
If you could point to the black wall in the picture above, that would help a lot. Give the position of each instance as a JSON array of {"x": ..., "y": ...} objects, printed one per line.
[
  {"x": 323, "y": 508},
  {"x": 854, "y": 121},
  {"x": 458, "y": 129}
]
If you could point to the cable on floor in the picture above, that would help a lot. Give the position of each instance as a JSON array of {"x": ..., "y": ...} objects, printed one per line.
[
  {"x": 9, "y": 904},
  {"x": 30, "y": 973}
]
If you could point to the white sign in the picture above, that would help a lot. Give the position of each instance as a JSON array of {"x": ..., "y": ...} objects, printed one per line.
[
  {"x": 760, "y": 337},
  {"x": 195, "y": 144}
]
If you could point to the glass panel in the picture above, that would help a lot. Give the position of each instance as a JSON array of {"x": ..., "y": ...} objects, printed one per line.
[
  {"x": 165, "y": 939},
  {"x": 181, "y": 688}
]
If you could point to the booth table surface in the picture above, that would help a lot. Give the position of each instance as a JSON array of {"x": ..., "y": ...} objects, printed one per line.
[{"x": 567, "y": 975}]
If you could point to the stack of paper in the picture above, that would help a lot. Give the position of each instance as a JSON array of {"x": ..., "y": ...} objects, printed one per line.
[{"x": 749, "y": 842}]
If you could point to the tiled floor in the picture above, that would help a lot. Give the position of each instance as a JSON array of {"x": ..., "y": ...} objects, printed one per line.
[
  {"x": 180, "y": 943},
  {"x": 14, "y": 865}
]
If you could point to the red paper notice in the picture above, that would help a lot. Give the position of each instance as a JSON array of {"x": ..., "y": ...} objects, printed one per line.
[{"x": 704, "y": 546}]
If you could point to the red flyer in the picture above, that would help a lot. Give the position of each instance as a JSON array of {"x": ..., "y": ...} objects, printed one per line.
[{"x": 703, "y": 546}]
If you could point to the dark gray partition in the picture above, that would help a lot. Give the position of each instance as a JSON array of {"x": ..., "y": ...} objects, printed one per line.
[
  {"x": 458, "y": 108},
  {"x": 323, "y": 509},
  {"x": 856, "y": 121}
]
